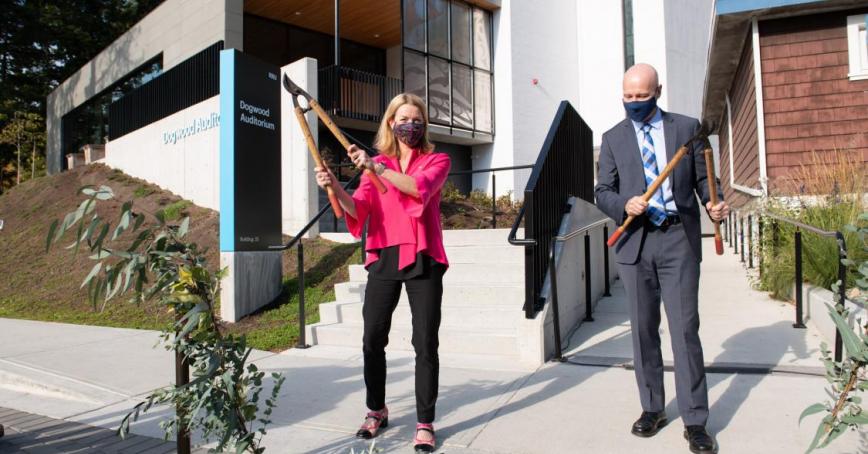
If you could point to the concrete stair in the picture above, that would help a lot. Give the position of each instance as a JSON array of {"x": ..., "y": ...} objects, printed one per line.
[{"x": 482, "y": 304}]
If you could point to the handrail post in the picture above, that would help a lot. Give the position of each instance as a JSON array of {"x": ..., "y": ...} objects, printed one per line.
[
  {"x": 606, "y": 288},
  {"x": 750, "y": 241},
  {"x": 735, "y": 234},
  {"x": 556, "y": 320},
  {"x": 588, "y": 306},
  {"x": 182, "y": 377},
  {"x": 760, "y": 225},
  {"x": 493, "y": 201},
  {"x": 798, "y": 252},
  {"x": 842, "y": 289},
  {"x": 301, "y": 323},
  {"x": 741, "y": 239}
]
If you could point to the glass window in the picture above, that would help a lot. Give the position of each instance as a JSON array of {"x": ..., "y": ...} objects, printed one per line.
[
  {"x": 461, "y": 32},
  {"x": 414, "y": 24},
  {"x": 481, "y": 39},
  {"x": 415, "y": 76},
  {"x": 462, "y": 96},
  {"x": 439, "y": 101},
  {"x": 482, "y": 100},
  {"x": 628, "y": 33},
  {"x": 438, "y": 28}
]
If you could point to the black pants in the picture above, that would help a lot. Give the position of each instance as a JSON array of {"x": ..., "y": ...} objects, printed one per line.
[{"x": 381, "y": 297}]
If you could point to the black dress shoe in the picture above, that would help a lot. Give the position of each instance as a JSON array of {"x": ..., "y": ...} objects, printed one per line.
[
  {"x": 699, "y": 439},
  {"x": 649, "y": 424}
]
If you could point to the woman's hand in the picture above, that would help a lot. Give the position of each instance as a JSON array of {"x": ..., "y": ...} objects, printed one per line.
[
  {"x": 360, "y": 158},
  {"x": 325, "y": 177}
]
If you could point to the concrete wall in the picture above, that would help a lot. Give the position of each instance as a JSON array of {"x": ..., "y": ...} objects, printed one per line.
[
  {"x": 179, "y": 153},
  {"x": 600, "y": 45},
  {"x": 533, "y": 39},
  {"x": 688, "y": 29},
  {"x": 177, "y": 29}
]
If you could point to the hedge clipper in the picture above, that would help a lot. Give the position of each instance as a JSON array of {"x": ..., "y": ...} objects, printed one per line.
[
  {"x": 702, "y": 134},
  {"x": 312, "y": 103}
]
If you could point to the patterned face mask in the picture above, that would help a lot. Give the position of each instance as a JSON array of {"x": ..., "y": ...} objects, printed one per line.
[{"x": 409, "y": 133}]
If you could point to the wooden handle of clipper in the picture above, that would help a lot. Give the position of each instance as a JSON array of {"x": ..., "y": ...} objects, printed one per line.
[
  {"x": 649, "y": 193},
  {"x": 343, "y": 140},
  {"x": 314, "y": 152},
  {"x": 712, "y": 192}
]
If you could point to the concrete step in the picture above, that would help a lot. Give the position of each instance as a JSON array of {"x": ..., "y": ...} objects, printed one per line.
[
  {"x": 452, "y": 340},
  {"x": 447, "y": 359},
  {"x": 480, "y": 274},
  {"x": 458, "y": 294},
  {"x": 456, "y": 316},
  {"x": 479, "y": 237},
  {"x": 486, "y": 254}
]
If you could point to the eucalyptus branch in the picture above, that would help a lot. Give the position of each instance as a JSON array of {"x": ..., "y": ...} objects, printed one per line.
[{"x": 221, "y": 399}]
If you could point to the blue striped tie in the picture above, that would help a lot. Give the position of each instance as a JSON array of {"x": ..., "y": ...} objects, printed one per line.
[{"x": 656, "y": 211}]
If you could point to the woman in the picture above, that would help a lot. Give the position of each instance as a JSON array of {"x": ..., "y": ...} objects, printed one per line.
[{"x": 404, "y": 247}]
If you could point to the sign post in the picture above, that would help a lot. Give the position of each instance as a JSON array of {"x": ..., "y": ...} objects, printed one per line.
[{"x": 250, "y": 183}]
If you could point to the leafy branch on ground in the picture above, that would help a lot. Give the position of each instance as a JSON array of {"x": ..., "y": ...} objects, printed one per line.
[
  {"x": 847, "y": 379},
  {"x": 151, "y": 258}
]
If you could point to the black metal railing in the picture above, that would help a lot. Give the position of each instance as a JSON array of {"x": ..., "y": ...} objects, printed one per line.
[
  {"x": 553, "y": 271},
  {"x": 738, "y": 231},
  {"x": 189, "y": 82},
  {"x": 359, "y": 95},
  {"x": 493, "y": 172},
  {"x": 564, "y": 168}
]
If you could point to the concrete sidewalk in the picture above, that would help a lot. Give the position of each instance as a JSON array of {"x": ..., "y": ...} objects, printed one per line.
[{"x": 765, "y": 374}]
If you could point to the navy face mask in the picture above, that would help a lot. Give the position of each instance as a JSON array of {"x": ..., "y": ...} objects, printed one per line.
[
  {"x": 409, "y": 133},
  {"x": 640, "y": 110}
]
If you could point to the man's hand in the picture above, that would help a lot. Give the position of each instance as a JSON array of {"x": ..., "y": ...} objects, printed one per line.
[
  {"x": 635, "y": 206},
  {"x": 717, "y": 212}
]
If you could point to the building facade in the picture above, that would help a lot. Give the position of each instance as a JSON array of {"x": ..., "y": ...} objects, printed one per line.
[
  {"x": 492, "y": 71},
  {"x": 787, "y": 81}
]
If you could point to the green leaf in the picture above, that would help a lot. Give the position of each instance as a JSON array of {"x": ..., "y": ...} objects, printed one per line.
[
  {"x": 51, "y": 230},
  {"x": 124, "y": 222},
  {"x": 185, "y": 225},
  {"x": 93, "y": 272},
  {"x": 813, "y": 409},
  {"x": 855, "y": 348},
  {"x": 859, "y": 419},
  {"x": 821, "y": 430},
  {"x": 97, "y": 244},
  {"x": 104, "y": 193}
]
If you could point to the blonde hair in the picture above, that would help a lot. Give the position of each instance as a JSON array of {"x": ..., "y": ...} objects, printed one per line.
[{"x": 385, "y": 141}]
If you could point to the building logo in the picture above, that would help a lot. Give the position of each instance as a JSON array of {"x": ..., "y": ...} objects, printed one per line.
[{"x": 198, "y": 125}]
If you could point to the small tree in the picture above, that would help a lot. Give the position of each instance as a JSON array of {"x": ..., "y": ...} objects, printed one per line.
[
  {"x": 23, "y": 129},
  {"x": 156, "y": 263},
  {"x": 847, "y": 379}
]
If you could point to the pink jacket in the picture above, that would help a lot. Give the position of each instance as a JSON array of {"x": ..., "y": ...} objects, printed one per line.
[{"x": 396, "y": 218}]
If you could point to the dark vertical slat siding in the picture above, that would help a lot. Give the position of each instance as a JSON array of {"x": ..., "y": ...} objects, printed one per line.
[{"x": 190, "y": 82}]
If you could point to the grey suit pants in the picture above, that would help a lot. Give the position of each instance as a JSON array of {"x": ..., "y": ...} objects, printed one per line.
[{"x": 667, "y": 269}]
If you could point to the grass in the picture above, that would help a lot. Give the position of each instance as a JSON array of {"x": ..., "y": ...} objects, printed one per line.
[
  {"x": 175, "y": 210},
  {"x": 827, "y": 193}
]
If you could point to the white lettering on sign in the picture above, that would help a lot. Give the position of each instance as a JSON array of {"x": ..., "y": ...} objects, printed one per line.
[
  {"x": 198, "y": 125},
  {"x": 255, "y": 113}
]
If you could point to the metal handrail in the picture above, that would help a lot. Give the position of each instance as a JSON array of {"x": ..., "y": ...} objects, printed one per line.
[
  {"x": 799, "y": 279},
  {"x": 553, "y": 271},
  {"x": 514, "y": 231}
]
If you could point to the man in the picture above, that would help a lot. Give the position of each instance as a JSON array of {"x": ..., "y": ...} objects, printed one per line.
[{"x": 658, "y": 256}]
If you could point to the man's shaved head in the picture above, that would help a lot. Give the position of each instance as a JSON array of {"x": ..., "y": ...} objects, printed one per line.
[{"x": 641, "y": 82}]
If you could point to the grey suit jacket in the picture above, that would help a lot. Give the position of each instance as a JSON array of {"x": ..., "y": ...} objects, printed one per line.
[{"x": 621, "y": 176}]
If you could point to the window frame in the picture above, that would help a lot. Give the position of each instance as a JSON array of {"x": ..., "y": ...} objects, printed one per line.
[
  {"x": 857, "y": 48},
  {"x": 452, "y": 125}
]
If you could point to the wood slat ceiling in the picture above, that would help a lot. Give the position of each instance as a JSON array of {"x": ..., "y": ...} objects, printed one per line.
[{"x": 375, "y": 23}]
